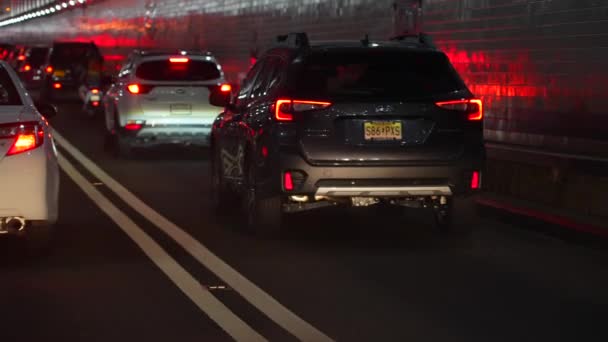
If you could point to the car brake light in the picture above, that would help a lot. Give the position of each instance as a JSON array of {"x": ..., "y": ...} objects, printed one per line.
[
  {"x": 28, "y": 136},
  {"x": 287, "y": 181},
  {"x": 179, "y": 60},
  {"x": 474, "y": 107},
  {"x": 27, "y": 67},
  {"x": 57, "y": 85},
  {"x": 475, "y": 180},
  {"x": 49, "y": 69},
  {"x": 95, "y": 103},
  {"x": 21, "y": 58},
  {"x": 139, "y": 88},
  {"x": 133, "y": 88},
  {"x": 133, "y": 126},
  {"x": 95, "y": 91},
  {"x": 225, "y": 88},
  {"x": 284, "y": 109}
]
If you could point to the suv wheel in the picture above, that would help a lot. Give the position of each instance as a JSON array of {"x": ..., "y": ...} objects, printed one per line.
[
  {"x": 458, "y": 216},
  {"x": 122, "y": 148},
  {"x": 264, "y": 215},
  {"x": 220, "y": 195}
]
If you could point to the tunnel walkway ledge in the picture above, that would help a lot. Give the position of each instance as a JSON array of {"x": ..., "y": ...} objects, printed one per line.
[{"x": 566, "y": 190}]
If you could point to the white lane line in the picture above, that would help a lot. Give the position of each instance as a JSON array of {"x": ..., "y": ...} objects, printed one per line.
[
  {"x": 209, "y": 304},
  {"x": 272, "y": 308}
]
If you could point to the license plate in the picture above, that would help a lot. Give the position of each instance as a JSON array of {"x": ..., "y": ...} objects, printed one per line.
[
  {"x": 95, "y": 98},
  {"x": 382, "y": 130},
  {"x": 181, "y": 109},
  {"x": 36, "y": 78},
  {"x": 59, "y": 73}
]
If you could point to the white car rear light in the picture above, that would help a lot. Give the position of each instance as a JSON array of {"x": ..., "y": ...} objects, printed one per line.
[{"x": 26, "y": 136}]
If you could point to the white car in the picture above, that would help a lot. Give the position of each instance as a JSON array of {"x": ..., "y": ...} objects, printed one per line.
[
  {"x": 29, "y": 174},
  {"x": 162, "y": 97}
]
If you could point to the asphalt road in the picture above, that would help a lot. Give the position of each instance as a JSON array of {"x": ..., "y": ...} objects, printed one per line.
[{"x": 352, "y": 276}]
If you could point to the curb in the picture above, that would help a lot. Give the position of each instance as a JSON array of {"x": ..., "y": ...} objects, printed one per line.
[{"x": 559, "y": 220}]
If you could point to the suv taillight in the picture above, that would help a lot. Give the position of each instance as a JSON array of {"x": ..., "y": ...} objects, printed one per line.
[
  {"x": 284, "y": 109},
  {"x": 139, "y": 88},
  {"x": 474, "y": 107},
  {"x": 26, "y": 136}
]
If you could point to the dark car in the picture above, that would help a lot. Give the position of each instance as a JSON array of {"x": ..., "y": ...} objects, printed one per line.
[
  {"x": 32, "y": 70},
  {"x": 356, "y": 123},
  {"x": 73, "y": 65}
]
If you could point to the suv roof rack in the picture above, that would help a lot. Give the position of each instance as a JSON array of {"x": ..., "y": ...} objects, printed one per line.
[
  {"x": 419, "y": 38},
  {"x": 296, "y": 40}
]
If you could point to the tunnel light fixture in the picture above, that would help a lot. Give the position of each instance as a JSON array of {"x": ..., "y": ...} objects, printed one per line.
[{"x": 42, "y": 11}]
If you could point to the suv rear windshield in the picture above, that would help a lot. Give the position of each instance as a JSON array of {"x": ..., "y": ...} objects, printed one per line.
[
  {"x": 376, "y": 74},
  {"x": 69, "y": 53},
  {"x": 37, "y": 57},
  {"x": 8, "y": 92},
  {"x": 164, "y": 70}
]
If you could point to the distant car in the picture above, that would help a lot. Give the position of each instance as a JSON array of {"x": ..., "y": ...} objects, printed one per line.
[
  {"x": 355, "y": 123},
  {"x": 32, "y": 70},
  {"x": 29, "y": 175},
  {"x": 72, "y": 66},
  {"x": 162, "y": 97}
]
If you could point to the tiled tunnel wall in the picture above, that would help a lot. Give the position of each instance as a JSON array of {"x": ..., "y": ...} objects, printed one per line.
[{"x": 541, "y": 66}]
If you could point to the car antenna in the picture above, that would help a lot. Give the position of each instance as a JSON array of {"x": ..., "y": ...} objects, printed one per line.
[{"x": 365, "y": 40}]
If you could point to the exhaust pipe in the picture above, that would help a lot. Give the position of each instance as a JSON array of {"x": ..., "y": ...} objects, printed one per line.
[{"x": 13, "y": 225}]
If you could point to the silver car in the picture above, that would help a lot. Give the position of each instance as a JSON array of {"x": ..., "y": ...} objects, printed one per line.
[{"x": 162, "y": 97}]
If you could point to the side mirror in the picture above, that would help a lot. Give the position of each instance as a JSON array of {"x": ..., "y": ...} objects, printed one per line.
[
  {"x": 219, "y": 98},
  {"x": 46, "y": 109}
]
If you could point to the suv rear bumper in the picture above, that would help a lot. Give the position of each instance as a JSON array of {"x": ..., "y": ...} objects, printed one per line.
[{"x": 429, "y": 179}]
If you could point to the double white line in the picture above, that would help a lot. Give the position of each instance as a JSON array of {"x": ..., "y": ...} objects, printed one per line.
[{"x": 209, "y": 304}]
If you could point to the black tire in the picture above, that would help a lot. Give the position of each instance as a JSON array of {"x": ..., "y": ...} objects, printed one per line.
[
  {"x": 38, "y": 238},
  {"x": 90, "y": 113},
  {"x": 458, "y": 217},
  {"x": 123, "y": 148},
  {"x": 221, "y": 196},
  {"x": 264, "y": 215}
]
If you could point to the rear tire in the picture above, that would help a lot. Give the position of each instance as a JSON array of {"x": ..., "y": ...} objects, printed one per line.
[
  {"x": 123, "y": 148},
  {"x": 264, "y": 215},
  {"x": 458, "y": 217},
  {"x": 221, "y": 197},
  {"x": 39, "y": 238}
]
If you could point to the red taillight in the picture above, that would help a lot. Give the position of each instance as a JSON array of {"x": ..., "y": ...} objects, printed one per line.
[
  {"x": 225, "y": 88},
  {"x": 474, "y": 107},
  {"x": 133, "y": 88},
  {"x": 179, "y": 60},
  {"x": 95, "y": 103},
  {"x": 27, "y": 67},
  {"x": 49, "y": 69},
  {"x": 28, "y": 136},
  {"x": 287, "y": 181},
  {"x": 21, "y": 58},
  {"x": 139, "y": 88},
  {"x": 475, "y": 180},
  {"x": 133, "y": 126},
  {"x": 95, "y": 91},
  {"x": 57, "y": 85},
  {"x": 284, "y": 109}
]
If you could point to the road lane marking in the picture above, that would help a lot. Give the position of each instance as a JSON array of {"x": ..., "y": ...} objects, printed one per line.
[
  {"x": 208, "y": 303},
  {"x": 272, "y": 308}
]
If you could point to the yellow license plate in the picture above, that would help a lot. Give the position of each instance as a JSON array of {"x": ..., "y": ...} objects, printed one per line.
[
  {"x": 59, "y": 73},
  {"x": 383, "y": 130}
]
